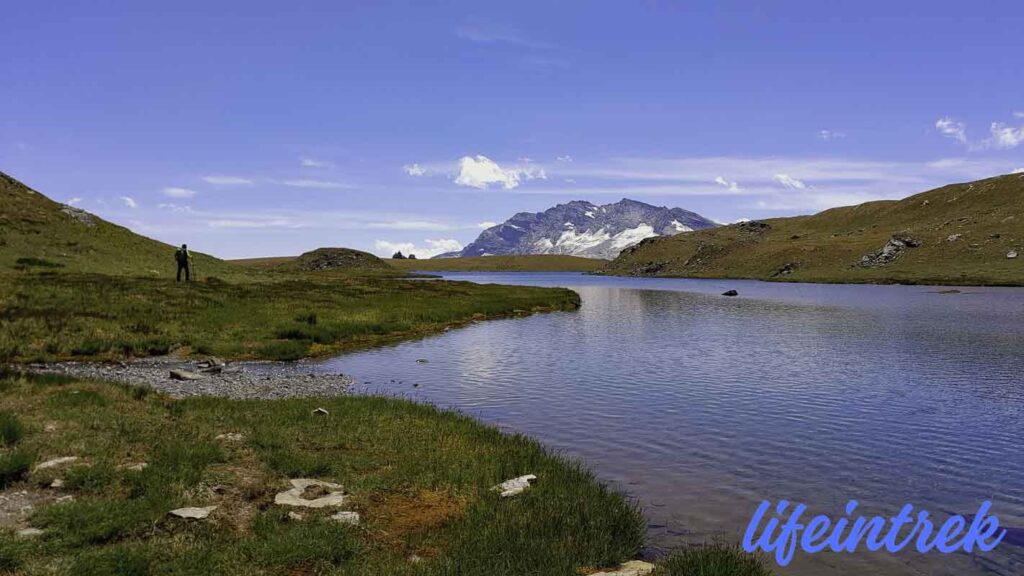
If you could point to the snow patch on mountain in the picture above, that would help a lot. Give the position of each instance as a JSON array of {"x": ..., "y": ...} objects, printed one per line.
[{"x": 583, "y": 229}]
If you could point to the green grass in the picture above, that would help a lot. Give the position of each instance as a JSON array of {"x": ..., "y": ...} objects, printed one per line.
[
  {"x": 531, "y": 263},
  {"x": 716, "y": 559},
  {"x": 419, "y": 477},
  {"x": 988, "y": 215},
  {"x": 73, "y": 315}
]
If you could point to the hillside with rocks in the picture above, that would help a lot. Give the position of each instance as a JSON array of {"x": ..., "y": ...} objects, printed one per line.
[{"x": 970, "y": 233}]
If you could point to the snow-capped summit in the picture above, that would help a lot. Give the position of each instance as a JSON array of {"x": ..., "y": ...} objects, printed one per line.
[{"x": 581, "y": 228}]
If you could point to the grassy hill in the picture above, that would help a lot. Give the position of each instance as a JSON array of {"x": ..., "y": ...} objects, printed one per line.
[
  {"x": 75, "y": 286},
  {"x": 963, "y": 234},
  {"x": 38, "y": 233},
  {"x": 532, "y": 263}
]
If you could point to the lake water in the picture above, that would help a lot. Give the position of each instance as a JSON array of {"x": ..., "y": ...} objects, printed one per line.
[{"x": 700, "y": 405}]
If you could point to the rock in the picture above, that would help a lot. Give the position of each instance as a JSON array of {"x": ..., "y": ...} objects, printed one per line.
[
  {"x": 192, "y": 512},
  {"x": 68, "y": 498},
  {"x": 56, "y": 462},
  {"x": 346, "y": 517},
  {"x": 892, "y": 250},
  {"x": 1011, "y": 254},
  {"x": 230, "y": 437},
  {"x": 415, "y": 559},
  {"x": 514, "y": 486},
  {"x": 296, "y": 516},
  {"x": 184, "y": 375},
  {"x": 57, "y": 483},
  {"x": 631, "y": 568},
  {"x": 730, "y": 293},
  {"x": 138, "y": 467},
  {"x": 321, "y": 412},
  {"x": 421, "y": 361},
  {"x": 953, "y": 237},
  {"x": 214, "y": 361},
  {"x": 30, "y": 532},
  {"x": 295, "y": 496},
  {"x": 212, "y": 370}
]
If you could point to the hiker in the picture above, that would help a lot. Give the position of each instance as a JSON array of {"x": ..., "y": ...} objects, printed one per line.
[{"x": 184, "y": 260}]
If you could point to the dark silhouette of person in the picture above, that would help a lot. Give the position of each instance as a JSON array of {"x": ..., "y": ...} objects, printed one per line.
[{"x": 184, "y": 260}]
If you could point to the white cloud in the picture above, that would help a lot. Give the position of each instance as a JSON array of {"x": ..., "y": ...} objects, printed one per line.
[
  {"x": 565, "y": 158},
  {"x": 1005, "y": 137},
  {"x": 951, "y": 128},
  {"x": 129, "y": 201},
  {"x": 1018, "y": 171},
  {"x": 322, "y": 184},
  {"x": 486, "y": 225},
  {"x": 414, "y": 170},
  {"x": 495, "y": 35},
  {"x": 408, "y": 225},
  {"x": 239, "y": 223},
  {"x": 732, "y": 186},
  {"x": 174, "y": 192},
  {"x": 74, "y": 201},
  {"x": 790, "y": 182},
  {"x": 480, "y": 172},
  {"x": 175, "y": 208},
  {"x": 831, "y": 135},
  {"x": 431, "y": 249},
  {"x": 227, "y": 180},
  {"x": 314, "y": 163},
  {"x": 1018, "y": 114}
]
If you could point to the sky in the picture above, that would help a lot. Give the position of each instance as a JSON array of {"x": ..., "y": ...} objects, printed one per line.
[{"x": 268, "y": 128}]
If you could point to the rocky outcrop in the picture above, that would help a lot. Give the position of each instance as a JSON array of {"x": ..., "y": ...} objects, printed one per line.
[
  {"x": 893, "y": 249},
  {"x": 339, "y": 259}
]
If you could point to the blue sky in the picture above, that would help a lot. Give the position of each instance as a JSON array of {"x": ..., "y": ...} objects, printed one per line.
[{"x": 256, "y": 128}]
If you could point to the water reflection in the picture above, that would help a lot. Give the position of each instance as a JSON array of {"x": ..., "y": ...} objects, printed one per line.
[{"x": 701, "y": 405}]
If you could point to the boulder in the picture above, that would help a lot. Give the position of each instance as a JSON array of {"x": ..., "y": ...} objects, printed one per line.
[
  {"x": 335, "y": 495},
  {"x": 893, "y": 249},
  {"x": 730, "y": 293},
  {"x": 184, "y": 375},
  {"x": 514, "y": 486},
  {"x": 54, "y": 463},
  {"x": 1011, "y": 254},
  {"x": 192, "y": 512},
  {"x": 346, "y": 517}
]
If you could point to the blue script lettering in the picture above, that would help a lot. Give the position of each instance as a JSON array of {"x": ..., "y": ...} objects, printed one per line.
[{"x": 784, "y": 532}]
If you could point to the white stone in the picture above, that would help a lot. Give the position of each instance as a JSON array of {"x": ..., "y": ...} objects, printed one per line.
[
  {"x": 230, "y": 437},
  {"x": 56, "y": 462},
  {"x": 296, "y": 516},
  {"x": 631, "y": 568},
  {"x": 321, "y": 412},
  {"x": 346, "y": 517},
  {"x": 1011, "y": 254},
  {"x": 514, "y": 486},
  {"x": 193, "y": 512},
  {"x": 293, "y": 497},
  {"x": 57, "y": 483},
  {"x": 30, "y": 532}
]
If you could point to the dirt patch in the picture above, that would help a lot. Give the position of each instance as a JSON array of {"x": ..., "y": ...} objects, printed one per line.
[
  {"x": 403, "y": 515},
  {"x": 16, "y": 505}
]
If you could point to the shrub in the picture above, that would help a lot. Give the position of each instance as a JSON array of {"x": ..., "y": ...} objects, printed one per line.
[
  {"x": 11, "y": 430},
  {"x": 716, "y": 559},
  {"x": 14, "y": 466}
]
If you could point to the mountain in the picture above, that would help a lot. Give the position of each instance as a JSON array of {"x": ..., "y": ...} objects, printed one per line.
[
  {"x": 582, "y": 229},
  {"x": 971, "y": 233},
  {"x": 37, "y": 233}
]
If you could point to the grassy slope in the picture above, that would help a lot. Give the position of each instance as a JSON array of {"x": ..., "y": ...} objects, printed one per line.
[
  {"x": 535, "y": 263},
  {"x": 71, "y": 289},
  {"x": 33, "y": 226},
  {"x": 826, "y": 247}
]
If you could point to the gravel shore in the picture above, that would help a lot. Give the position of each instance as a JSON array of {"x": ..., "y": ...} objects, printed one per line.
[{"x": 211, "y": 378}]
